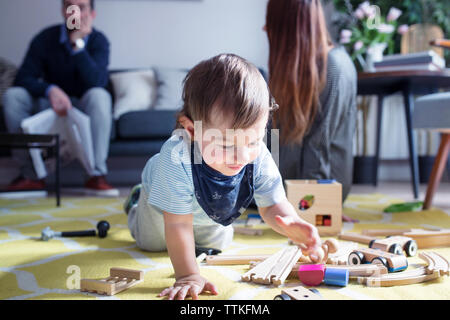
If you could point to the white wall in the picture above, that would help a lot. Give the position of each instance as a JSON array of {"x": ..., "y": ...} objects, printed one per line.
[{"x": 144, "y": 33}]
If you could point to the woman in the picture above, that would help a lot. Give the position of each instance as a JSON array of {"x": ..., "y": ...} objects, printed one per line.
[{"x": 314, "y": 84}]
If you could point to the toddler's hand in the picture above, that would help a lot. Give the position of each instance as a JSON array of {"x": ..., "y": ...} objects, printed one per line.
[
  {"x": 300, "y": 232},
  {"x": 191, "y": 285}
]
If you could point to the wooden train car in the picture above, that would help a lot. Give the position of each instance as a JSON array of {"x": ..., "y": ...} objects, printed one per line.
[
  {"x": 393, "y": 262},
  {"x": 396, "y": 245}
]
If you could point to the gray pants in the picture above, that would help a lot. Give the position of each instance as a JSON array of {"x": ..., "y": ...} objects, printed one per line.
[
  {"x": 96, "y": 103},
  {"x": 146, "y": 223}
]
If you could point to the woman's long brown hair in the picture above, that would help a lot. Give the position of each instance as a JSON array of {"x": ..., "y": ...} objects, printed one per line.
[{"x": 298, "y": 43}]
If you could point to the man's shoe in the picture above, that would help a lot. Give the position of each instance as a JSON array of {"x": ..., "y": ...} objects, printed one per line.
[
  {"x": 24, "y": 184},
  {"x": 98, "y": 186},
  {"x": 133, "y": 198}
]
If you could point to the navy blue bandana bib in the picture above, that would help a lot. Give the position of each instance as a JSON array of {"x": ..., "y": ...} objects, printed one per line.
[{"x": 223, "y": 198}]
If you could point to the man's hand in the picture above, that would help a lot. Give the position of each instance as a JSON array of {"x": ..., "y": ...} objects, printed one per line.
[
  {"x": 191, "y": 285},
  {"x": 59, "y": 101},
  {"x": 79, "y": 34}
]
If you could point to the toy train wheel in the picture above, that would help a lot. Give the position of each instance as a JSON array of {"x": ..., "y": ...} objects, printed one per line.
[
  {"x": 396, "y": 249},
  {"x": 355, "y": 258},
  {"x": 411, "y": 248},
  {"x": 380, "y": 260},
  {"x": 314, "y": 290},
  {"x": 282, "y": 296}
]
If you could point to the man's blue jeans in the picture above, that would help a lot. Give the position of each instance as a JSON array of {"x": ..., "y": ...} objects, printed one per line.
[{"x": 18, "y": 104}]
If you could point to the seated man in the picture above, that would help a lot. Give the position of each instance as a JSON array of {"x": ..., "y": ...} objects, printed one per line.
[{"x": 64, "y": 67}]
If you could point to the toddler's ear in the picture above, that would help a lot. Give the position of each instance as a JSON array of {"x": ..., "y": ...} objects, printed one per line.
[{"x": 188, "y": 125}]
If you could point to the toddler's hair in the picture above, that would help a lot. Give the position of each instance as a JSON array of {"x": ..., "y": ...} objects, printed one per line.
[{"x": 227, "y": 84}]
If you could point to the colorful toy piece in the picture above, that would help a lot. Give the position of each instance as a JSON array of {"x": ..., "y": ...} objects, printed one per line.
[
  {"x": 336, "y": 277},
  {"x": 404, "y": 207},
  {"x": 311, "y": 274},
  {"x": 315, "y": 274},
  {"x": 396, "y": 245},
  {"x": 306, "y": 202},
  {"x": 393, "y": 262}
]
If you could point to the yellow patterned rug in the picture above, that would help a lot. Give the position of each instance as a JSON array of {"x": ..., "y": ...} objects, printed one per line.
[{"x": 34, "y": 269}]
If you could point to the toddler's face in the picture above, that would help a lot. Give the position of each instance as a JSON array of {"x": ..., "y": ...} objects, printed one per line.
[{"x": 229, "y": 150}]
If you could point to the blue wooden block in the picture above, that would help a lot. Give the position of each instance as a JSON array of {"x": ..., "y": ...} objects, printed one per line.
[{"x": 336, "y": 277}]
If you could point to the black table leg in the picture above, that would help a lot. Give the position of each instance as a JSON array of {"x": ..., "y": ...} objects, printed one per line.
[
  {"x": 378, "y": 138},
  {"x": 57, "y": 185},
  {"x": 413, "y": 161}
]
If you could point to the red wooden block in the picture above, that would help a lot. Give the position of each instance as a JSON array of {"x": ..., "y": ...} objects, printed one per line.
[{"x": 311, "y": 274}]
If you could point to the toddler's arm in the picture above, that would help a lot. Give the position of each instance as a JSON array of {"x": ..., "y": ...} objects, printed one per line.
[
  {"x": 180, "y": 243},
  {"x": 283, "y": 218}
]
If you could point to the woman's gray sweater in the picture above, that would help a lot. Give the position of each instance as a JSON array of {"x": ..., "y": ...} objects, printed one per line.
[{"x": 326, "y": 151}]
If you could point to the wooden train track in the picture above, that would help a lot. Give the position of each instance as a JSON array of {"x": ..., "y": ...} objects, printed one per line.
[
  {"x": 425, "y": 238},
  {"x": 436, "y": 266},
  {"x": 435, "y": 262},
  {"x": 275, "y": 269}
]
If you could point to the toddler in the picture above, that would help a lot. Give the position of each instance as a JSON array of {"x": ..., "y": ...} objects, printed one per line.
[{"x": 209, "y": 170}]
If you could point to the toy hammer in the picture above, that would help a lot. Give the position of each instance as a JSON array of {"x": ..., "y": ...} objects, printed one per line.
[{"x": 102, "y": 227}]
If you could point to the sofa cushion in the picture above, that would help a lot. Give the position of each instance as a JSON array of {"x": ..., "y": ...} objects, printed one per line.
[
  {"x": 133, "y": 90},
  {"x": 146, "y": 124},
  {"x": 170, "y": 88},
  {"x": 130, "y": 148}
]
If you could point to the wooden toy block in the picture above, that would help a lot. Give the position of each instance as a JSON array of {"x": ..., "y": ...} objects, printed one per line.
[
  {"x": 235, "y": 259},
  {"x": 384, "y": 232},
  {"x": 396, "y": 244},
  {"x": 276, "y": 268},
  {"x": 311, "y": 274},
  {"x": 364, "y": 270},
  {"x": 430, "y": 239},
  {"x": 336, "y": 276},
  {"x": 393, "y": 262},
  {"x": 298, "y": 293},
  {"x": 425, "y": 238},
  {"x": 360, "y": 238},
  {"x": 119, "y": 279},
  {"x": 324, "y": 209}
]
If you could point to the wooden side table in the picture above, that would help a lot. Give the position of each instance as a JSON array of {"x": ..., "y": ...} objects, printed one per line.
[
  {"x": 408, "y": 83},
  {"x": 29, "y": 141}
]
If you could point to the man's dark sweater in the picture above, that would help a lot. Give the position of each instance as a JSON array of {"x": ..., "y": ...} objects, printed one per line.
[{"x": 51, "y": 62}]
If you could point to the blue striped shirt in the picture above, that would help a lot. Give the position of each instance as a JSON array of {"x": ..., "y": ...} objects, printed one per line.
[{"x": 167, "y": 179}]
